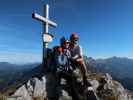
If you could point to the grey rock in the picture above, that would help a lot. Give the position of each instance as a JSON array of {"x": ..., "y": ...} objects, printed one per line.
[
  {"x": 37, "y": 88},
  {"x": 22, "y": 94}
]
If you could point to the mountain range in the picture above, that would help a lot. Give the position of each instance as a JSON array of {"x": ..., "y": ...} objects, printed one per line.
[
  {"x": 119, "y": 68},
  {"x": 13, "y": 75}
]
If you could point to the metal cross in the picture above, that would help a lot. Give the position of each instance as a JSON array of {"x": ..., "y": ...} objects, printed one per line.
[{"x": 46, "y": 22}]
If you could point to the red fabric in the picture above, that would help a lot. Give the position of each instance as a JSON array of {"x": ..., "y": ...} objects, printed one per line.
[{"x": 60, "y": 49}]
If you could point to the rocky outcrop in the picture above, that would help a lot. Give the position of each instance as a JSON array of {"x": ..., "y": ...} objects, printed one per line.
[
  {"x": 34, "y": 89},
  {"x": 22, "y": 93},
  {"x": 111, "y": 90},
  {"x": 103, "y": 86}
]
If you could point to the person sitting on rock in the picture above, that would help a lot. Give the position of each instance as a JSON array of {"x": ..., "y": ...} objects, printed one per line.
[
  {"x": 52, "y": 89},
  {"x": 59, "y": 63},
  {"x": 64, "y": 43},
  {"x": 77, "y": 56}
]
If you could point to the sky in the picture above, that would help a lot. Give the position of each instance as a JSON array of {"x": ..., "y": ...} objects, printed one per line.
[{"x": 105, "y": 27}]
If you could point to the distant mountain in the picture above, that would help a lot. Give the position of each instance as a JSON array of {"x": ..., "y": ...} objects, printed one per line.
[
  {"x": 22, "y": 78},
  {"x": 12, "y": 74},
  {"x": 5, "y": 66},
  {"x": 31, "y": 83},
  {"x": 121, "y": 69}
]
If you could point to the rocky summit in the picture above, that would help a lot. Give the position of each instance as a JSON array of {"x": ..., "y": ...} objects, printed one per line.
[{"x": 104, "y": 87}]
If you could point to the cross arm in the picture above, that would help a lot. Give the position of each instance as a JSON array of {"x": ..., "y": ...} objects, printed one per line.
[{"x": 43, "y": 19}]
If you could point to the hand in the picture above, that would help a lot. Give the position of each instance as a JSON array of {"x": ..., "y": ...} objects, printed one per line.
[
  {"x": 75, "y": 57},
  {"x": 72, "y": 59}
]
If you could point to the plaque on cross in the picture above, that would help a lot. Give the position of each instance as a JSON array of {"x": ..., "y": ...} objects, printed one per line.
[{"x": 46, "y": 23}]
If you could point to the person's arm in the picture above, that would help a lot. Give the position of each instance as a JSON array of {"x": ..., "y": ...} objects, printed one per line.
[
  {"x": 80, "y": 56},
  {"x": 75, "y": 57},
  {"x": 82, "y": 64}
]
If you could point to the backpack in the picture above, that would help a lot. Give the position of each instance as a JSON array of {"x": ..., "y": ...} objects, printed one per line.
[
  {"x": 58, "y": 59},
  {"x": 61, "y": 59}
]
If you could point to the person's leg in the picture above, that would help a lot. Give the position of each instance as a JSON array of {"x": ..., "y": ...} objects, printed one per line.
[
  {"x": 83, "y": 70},
  {"x": 71, "y": 82},
  {"x": 51, "y": 85}
]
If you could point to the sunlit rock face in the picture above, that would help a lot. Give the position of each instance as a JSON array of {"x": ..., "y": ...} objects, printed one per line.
[
  {"x": 33, "y": 89},
  {"x": 103, "y": 86},
  {"x": 112, "y": 90},
  {"x": 22, "y": 94}
]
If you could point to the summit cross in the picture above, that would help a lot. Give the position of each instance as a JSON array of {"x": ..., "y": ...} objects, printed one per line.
[{"x": 46, "y": 23}]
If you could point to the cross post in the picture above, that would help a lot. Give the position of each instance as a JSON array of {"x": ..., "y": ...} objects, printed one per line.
[{"x": 46, "y": 22}]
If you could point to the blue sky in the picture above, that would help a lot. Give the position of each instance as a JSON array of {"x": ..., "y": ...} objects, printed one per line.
[{"x": 105, "y": 27}]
